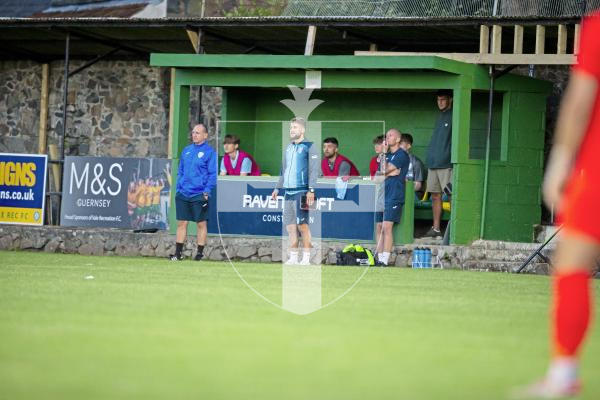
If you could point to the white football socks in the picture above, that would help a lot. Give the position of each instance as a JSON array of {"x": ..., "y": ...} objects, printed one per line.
[
  {"x": 305, "y": 257},
  {"x": 385, "y": 257},
  {"x": 293, "y": 258},
  {"x": 563, "y": 371}
]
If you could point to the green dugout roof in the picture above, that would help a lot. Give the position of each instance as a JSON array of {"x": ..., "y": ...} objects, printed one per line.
[
  {"x": 306, "y": 62},
  {"x": 478, "y": 73}
]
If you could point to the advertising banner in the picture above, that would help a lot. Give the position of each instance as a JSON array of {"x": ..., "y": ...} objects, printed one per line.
[
  {"x": 133, "y": 193},
  {"x": 246, "y": 208},
  {"x": 22, "y": 188}
]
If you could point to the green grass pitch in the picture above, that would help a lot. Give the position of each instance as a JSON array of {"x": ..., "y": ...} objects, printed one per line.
[{"x": 147, "y": 328}]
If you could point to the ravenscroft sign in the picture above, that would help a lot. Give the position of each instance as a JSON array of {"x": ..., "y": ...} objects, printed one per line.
[
  {"x": 22, "y": 188},
  {"x": 249, "y": 210},
  {"x": 116, "y": 192}
]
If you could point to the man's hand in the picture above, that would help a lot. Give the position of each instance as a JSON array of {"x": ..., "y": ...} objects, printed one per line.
[
  {"x": 274, "y": 194},
  {"x": 573, "y": 119},
  {"x": 557, "y": 172},
  {"x": 310, "y": 198},
  {"x": 379, "y": 177}
]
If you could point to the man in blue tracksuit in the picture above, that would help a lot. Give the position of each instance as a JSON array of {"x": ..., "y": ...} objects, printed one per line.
[
  {"x": 298, "y": 177},
  {"x": 196, "y": 177}
]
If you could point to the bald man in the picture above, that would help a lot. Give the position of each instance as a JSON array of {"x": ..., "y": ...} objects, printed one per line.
[{"x": 394, "y": 175}]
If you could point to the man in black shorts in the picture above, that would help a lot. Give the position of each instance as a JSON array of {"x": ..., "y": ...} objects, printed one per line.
[
  {"x": 396, "y": 167},
  {"x": 196, "y": 177}
]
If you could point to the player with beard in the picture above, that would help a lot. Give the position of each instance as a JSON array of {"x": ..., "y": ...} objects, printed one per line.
[{"x": 298, "y": 177}]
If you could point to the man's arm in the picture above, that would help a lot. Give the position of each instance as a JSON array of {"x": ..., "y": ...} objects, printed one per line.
[
  {"x": 223, "y": 169},
  {"x": 314, "y": 165},
  {"x": 180, "y": 171},
  {"x": 575, "y": 112},
  {"x": 418, "y": 174},
  {"x": 391, "y": 169},
  {"x": 212, "y": 173},
  {"x": 573, "y": 120},
  {"x": 279, "y": 183},
  {"x": 180, "y": 167},
  {"x": 344, "y": 168},
  {"x": 246, "y": 167}
]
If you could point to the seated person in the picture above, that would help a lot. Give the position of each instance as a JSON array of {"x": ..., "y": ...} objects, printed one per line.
[
  {"x": 235, "y": 161},
  {"x": 334, "y": 164},
  {"x": 416, "y": 170},
  {"x": 375, "y": 164}
]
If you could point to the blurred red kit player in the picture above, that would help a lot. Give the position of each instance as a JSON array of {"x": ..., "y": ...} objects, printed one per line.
[{"x": 572, "y": 187}]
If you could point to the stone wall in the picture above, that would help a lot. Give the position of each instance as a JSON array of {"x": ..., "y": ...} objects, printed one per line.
[
  {"x": 209, "y": 113},
  {"x": 20, "y": 84},
  {"x": 481, "y": 256},
  {"x": 115, "y": 108}
]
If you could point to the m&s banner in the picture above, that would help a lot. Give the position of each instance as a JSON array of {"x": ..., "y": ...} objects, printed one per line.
[
  {"x": 22, "y": 188},
  {"x": 133, "y": 193}
]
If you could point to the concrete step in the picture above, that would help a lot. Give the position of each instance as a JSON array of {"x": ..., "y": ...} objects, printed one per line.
[
  {"x": 427, "y": 242},
  {"x": 513, "y": 255},
  {"x": 500, "y": 245},
  {"x": 505, "y": 266}
]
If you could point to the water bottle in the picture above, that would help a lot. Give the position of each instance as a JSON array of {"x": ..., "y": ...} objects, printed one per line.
[
  {"x": 340, "y": 188},
  {"x": 427, "y": 258},
  {"x": 415, "y": 258}
]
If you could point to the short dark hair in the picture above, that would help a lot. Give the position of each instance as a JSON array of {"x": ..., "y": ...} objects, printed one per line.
[
  {"x": 231, "y": 139},
  {"x": 445, "y": 92},
  {"x": 406, "y": 138},
  {"x": 378, "y": 139},
  {"x": 300, "y": 121},
  {"x": 331, "y": 140}
]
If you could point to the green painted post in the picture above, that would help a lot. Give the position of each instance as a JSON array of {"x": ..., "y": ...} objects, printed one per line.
[
  {"x": 181, "y": 107},
  {"x": 404, "y": 232},
  {"x": 486, "y": 173},
  {"x": 461, "y": 125}
]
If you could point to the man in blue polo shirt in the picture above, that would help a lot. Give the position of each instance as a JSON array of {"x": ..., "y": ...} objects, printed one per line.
[
  {"x": 196, "y": 177},
  {"x": 394, "y": 175}
]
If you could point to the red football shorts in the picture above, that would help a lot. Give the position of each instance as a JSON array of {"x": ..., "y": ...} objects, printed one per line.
[{"x": 580, "y": 211}]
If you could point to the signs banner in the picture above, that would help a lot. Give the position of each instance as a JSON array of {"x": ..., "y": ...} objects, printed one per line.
[
  {"x": 133, "y": 193},
  {"x": 245, "y": 207},
  {"x": 22, "y": 188}
]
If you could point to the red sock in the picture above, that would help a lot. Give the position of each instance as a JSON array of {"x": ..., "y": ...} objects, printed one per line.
[{"x": 571, "y": 311}]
